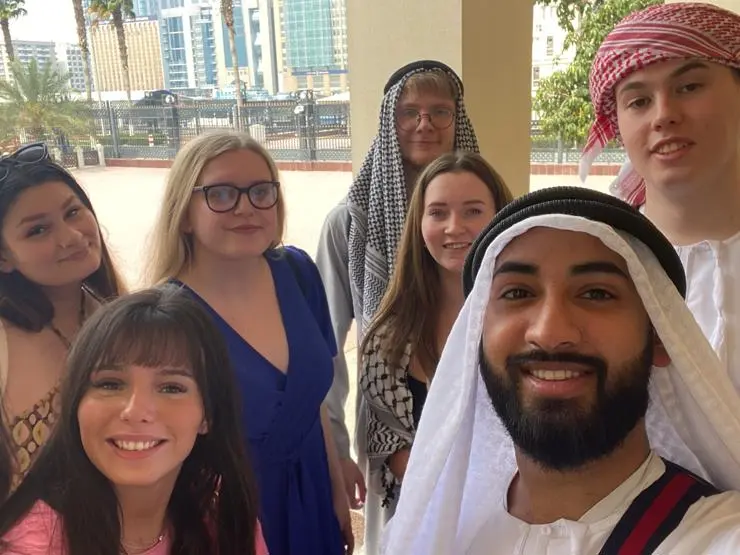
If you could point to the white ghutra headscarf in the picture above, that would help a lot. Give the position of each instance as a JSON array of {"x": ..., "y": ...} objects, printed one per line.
[{"x": 463, "y": 458}]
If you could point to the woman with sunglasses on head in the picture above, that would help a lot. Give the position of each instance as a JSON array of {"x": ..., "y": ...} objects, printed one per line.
[
  {"x": 55, "y": 270},
  {"x": 147, "y": 456},
  {"x": 219, "y": 234}
]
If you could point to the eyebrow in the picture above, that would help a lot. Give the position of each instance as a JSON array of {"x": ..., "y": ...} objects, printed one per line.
[
  {"x": 690, "y": 66},
  {"x": 516, "y": 268},
  {"x": 41, "y": 216},
  {"x": 596, "y": 267},
  {"x": 234, "y": 184},
  {"x": 466, "y": 203},
  {"x": 166, "y": 371}
]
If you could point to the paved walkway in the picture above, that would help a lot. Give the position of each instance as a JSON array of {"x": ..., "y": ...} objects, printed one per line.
[{"x": 127, "y": 201}]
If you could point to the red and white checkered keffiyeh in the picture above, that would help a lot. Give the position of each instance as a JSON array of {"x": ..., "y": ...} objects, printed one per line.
[{"x": 656, "y": 34}]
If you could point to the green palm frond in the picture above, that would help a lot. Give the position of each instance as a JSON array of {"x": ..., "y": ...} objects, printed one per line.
[
  {"x": 37, "y": 99},
  {"x": 103, "y": 10},
  {"x": 12, "y": 9}
]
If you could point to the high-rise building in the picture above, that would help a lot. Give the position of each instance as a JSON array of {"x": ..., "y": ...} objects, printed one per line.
[
  {"x": 189, "y": 46},
  {"x": 69, "y": 57},
  {"x": 43, "y": 52},
  {"x": 313, "y": 44},
  {"x": 146, "y": 7},
  {"x": 144, "y": 53},
  {"x": 308, "y": 35}
]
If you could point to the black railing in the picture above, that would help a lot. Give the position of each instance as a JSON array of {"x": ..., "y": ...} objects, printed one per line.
[{"x": 292, "y": 130}]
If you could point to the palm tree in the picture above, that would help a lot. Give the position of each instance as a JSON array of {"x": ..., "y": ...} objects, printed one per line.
[
  {"x": 227, "y": 12},
  {"x": 84, "y": 47},
  {"x": 116, "y": 11},
  {"x": 37, "y": 101},
  {"x": 9, "y": 10}
]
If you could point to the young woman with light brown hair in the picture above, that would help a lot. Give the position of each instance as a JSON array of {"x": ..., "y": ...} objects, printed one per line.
[
  {"x": 219, "y": 235},
  {"x": 454, "y": 199}
]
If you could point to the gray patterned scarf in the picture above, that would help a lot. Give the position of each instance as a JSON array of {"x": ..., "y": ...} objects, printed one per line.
[{"x": 377, "y": 201}]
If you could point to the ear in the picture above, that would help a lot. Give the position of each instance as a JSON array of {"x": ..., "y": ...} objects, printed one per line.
[
  {"x": 661, "y": 358},
  {"x": 203, "y": 429}
]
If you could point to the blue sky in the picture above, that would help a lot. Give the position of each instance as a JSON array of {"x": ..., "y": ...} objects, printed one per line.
[{"x": 51, "y": 20}]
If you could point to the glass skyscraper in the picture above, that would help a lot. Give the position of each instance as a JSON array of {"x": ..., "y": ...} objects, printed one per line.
[{"x": 308, "y": 35}]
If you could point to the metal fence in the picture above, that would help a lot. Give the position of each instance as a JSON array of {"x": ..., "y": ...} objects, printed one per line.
[
  {"x": 291, "y": 131},
  {"x": 295, "y": 130}
]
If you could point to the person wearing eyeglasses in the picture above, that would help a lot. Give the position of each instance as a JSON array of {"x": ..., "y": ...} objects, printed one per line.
[
  {"x": 55, "y": 270},
  {"x": 219, "y": 235},
  {"x": 422, "y": 117}
]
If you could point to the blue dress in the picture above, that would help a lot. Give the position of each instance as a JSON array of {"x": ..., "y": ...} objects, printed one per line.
[{"x": 281, "y": 417}]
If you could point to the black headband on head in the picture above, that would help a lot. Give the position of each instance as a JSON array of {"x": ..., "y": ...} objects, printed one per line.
[
  {"x": 427, "y": 65},
  {"x": 586, "y": 203}
]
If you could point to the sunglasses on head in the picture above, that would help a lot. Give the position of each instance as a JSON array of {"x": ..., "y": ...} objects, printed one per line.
[{"x": 26, "y": 155}]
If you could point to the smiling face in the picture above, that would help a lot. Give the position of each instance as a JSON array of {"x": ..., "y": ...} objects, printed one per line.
[
  {"x": 138, "y": 424},
  {"x": 680, "y": 123},
  {"x": 243, "y": 231},
  {"x": 457, "y": 207},
  {"x": 567, "y": 347},
  {"x": 50, "y": 237}
]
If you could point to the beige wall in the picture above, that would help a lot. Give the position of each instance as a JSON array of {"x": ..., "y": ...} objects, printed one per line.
[{"x": 489, "y": 44}]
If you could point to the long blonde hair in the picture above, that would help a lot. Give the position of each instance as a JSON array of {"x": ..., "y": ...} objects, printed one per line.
[
  {"x": 409, "y": 310},
  {"x": 171, "y": 249}
]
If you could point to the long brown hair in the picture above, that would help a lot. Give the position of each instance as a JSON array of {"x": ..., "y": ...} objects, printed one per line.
[
  {"x": 22, "y": 301},
  {"x": 213, "y": 507},
  {"x": 409, "y": 311}
]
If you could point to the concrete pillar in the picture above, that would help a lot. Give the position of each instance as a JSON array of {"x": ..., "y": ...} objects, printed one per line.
[
  {"x": 488, "y": 42},
  {"x": 80, "y": 157}
]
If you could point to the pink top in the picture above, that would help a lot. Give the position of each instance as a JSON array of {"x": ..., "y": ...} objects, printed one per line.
[{"x": 39, "y": 533}]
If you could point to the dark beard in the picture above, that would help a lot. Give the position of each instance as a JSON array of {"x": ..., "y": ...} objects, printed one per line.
[{"x": 560, "y": 434}]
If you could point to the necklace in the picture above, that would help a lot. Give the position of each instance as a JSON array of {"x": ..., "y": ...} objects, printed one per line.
[
  {"x": 63, "y": 338},
  {"x": 129, "y": 550}
]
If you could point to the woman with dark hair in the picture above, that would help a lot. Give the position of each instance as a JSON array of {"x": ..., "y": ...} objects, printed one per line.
[
  {"x": 454, "y": 199},
  {"x": 147, "y": 456},
  {"x": 55, "y": 270}
]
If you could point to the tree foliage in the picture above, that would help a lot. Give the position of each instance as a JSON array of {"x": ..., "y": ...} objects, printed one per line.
[
  {"x": 562, "y": 101},
  {"x": 37, "y": 101},
  {"x": 10, "y": 10}
]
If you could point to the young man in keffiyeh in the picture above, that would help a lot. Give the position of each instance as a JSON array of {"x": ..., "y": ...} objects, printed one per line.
[
  {"x": 422, "y": 116},
  {"x": 666, "y": 84},
  {"x": 574, "y": 383}
]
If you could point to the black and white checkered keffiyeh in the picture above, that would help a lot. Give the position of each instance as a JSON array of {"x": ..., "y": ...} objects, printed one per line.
[{"x": 377, "y": 201}]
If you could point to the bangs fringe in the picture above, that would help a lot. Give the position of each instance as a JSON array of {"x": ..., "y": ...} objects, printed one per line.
[
  {"x": 152, "y": 339},
  {"x": 431, "y": 82}
]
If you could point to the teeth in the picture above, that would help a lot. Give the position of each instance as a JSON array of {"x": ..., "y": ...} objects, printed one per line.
[
  {"x": 671, "y": 147},
  {"x": 555, "y": 375},
  {"x": 135, "y": 445},
  {"x": 457, "y": 245}
]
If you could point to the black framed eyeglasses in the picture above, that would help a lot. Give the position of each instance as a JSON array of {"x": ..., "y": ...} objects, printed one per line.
[
  {"x": 409, "y": 119},
  {"x": 224, "y": 197},
  {"x": 28, "y": 154}
]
